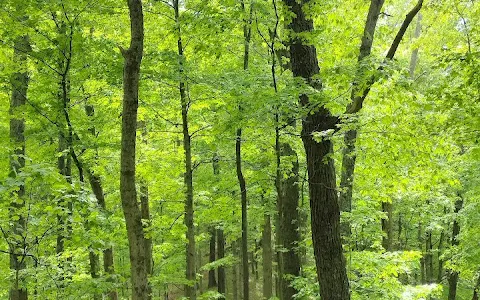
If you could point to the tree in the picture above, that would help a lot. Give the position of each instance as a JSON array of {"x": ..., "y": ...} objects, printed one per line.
[{"x": 133, "y": 218}]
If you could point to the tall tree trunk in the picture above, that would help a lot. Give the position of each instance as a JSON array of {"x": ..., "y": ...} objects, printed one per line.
[
  {"x": 325, "y": 212},
  {"x": 238, "y": 161},
  {"x": 360, "y": 91},
  {"x": 453, "y": 274},
  {"x": 64, "y": 219},
  {"x": 387, "y": 226},
  {"x": 133, "y": 217},
  {"x": 19, "y": 83},
  {"x": 349, "y": 155},
  {"x": 190, "y": 272},
  {"x": 212, "y": 282}
]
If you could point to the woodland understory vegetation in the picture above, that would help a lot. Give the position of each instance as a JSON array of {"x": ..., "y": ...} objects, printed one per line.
[{"x": 239, "y": 149}]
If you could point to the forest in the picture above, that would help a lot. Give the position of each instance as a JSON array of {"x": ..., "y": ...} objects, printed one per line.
[{"x": 240, "y": 149}]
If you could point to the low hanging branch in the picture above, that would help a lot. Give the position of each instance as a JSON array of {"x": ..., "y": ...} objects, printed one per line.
[{"x": 357, "y": 103}]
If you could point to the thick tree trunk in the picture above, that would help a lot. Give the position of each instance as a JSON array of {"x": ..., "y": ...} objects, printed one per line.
[
  {"x": 212, "y": 282},
  {"x": 133, "y": 217},
  {"x": 19, "y": 83},
  {"x": 190, "y": 272},
  {"x": 325, "y": 212},
  {"x": 439, "y": 256},
  {"x": 453, "y": 275}
]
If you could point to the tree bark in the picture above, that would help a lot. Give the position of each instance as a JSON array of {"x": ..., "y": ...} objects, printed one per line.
[
  {"x": 190, "y": 272},
  {"x": 453, "y": 275},
  {"x": 19, "y": 83},
  {"x": 133, "y": 217},
  {"x": 325, "y": 212},
  {"x": 429, "y": 257}
]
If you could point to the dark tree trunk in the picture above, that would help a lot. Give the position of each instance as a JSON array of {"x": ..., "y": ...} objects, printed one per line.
[
  {"x": 190, "y": 272},
  {"x": 19, "y": 83},
  {"x": 133, "y": 216},
  {"x": 220, "y": 255},
  {"x": 453, "y": 275},
  {"x": 325, "y": 212},
  {"x": 212, "y": 282}
]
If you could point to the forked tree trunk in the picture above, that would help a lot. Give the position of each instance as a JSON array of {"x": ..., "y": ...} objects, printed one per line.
[
  {"x": 133, "y": 217},
  {"x": 19, "y": 84}
]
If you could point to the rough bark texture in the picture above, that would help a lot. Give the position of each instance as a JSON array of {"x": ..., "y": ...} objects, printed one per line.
[
  {"x": 190, "y": 272},
  {"x": 453, "y": 275},
  {"x": 133, "y": 217},
  {"x": 325, "y": 212},
  {"x": 19, "y": 83},
  {"x": 349, "y": 155}
]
